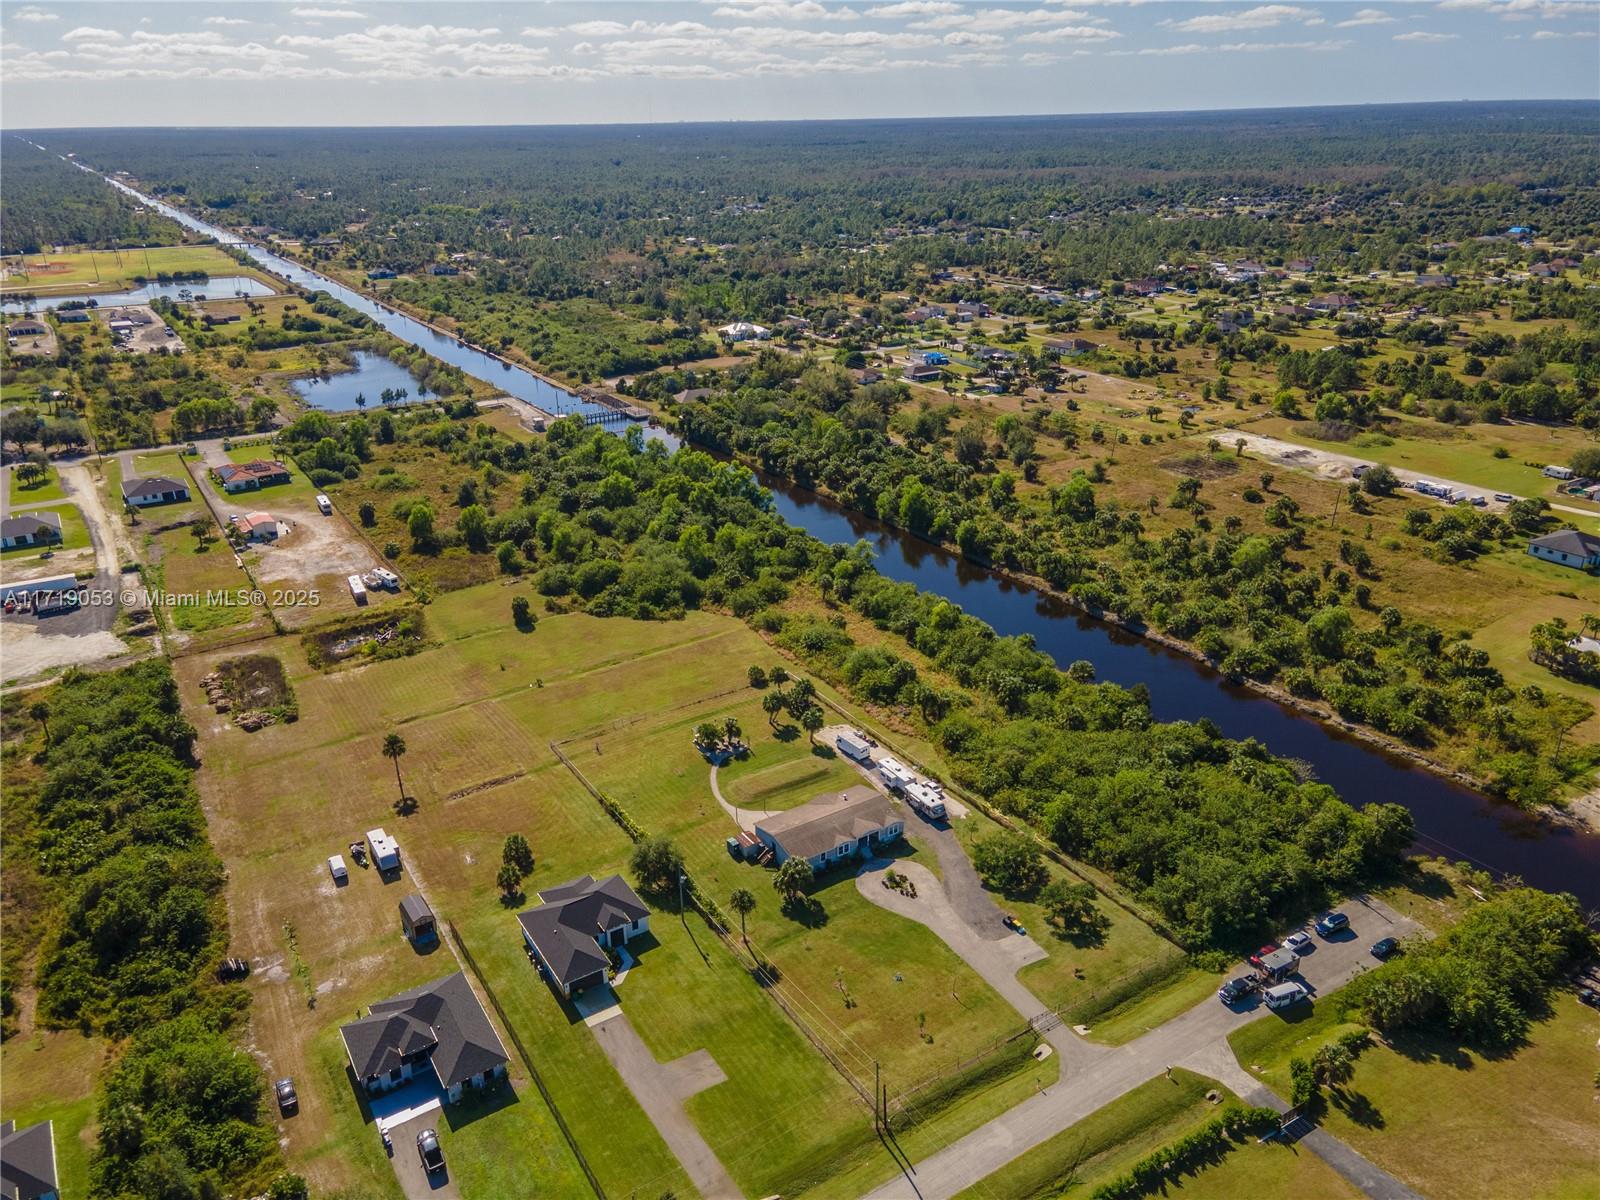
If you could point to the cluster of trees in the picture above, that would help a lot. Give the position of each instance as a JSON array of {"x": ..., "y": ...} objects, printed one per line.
[
  {"x": 51, "y": 203},
  {"x": 1485, "y": 979},
  {"x": 1249, "y": 600},
  {"x": 116, "y": 829},
  {"x": 1552, "y": 646},
  {"x": 1218, "y": 836}
]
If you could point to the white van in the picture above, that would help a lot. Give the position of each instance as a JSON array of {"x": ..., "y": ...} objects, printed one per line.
[
  {"x": 324, "y": 504},
  {"x": 1282, "y": 995}
]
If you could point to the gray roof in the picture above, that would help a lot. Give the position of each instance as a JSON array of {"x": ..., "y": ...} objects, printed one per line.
[
  {"x": 565, "y": 927},
  {"x": 415, "y": 909},
  {"x": 34, "y": 523},
  {"x": 27, "y": 1161},
  {"x": 153, "y": 485},
  {"x": 1570, "y": 541},
  {"x": 828, "y": 821},
  {"x": 442, "y": 1019}
]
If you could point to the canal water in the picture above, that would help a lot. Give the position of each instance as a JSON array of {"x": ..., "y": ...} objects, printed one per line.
[
  {"x": 1452, "y": 821},
  {"x": 217, "y": 287},
  {"x": 337, "y": 391}
]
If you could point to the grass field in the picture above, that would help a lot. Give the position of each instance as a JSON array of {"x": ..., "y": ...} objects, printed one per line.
[
  {"x": 74, "y": 533},
  {"x": 1077, "y": 1160},
  {"x": 37, "y": 492},
  {"x": 478, "y": 712},
  {"x": 51, "y": 1077},
  {"x": 111, "y": 270},
  {"x": 206, "y": 579},
  {"x": 1451, "y": 1121}
]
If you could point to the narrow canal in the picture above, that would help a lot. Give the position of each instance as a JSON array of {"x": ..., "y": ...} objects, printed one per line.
[{"x": 1452, "y": 821}]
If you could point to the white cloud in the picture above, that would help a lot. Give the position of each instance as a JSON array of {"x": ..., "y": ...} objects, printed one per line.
[
  {"x": 1040, "y": 60},
  {"x": 783, "y": 10},
  {"x": 965, "y": 37},
  {"x": 1263, "y": 16},
  {"x": 1525, "y": 10},
  {"x": 88, "y": 33},
  {"x": 1422, "y": 35},
  {"x": 1070, "y": 33},
  {"x": 1550, "y": 35},
  {"x": 33, "y": 15},
  {"x": 329, "y": 14},
  {"x": 914, "y": 8},
  {"x": 225, "y": 21},
  {"x": 998, "y": 20},
  {"x": 1367, "y": 16},
  {"x": 1322, "y": 47}
]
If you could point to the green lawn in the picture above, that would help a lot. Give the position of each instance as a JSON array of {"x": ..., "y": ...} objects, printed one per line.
[
  {"x": 112, "y": 270},
  {"x": 74, "y": 534},
  {"x": 48, "y": 488},
  {"x": 202, "y": 583},
  {"x": 51, "y": 1077},
  {"x": 1450, "y": 1120},
  {"x": 1077, "y": 1160},
  {"x": 1154, "y": 1007}
]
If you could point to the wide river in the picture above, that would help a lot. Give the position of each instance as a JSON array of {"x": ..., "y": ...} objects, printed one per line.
[{"x": 1452, "y": 821}]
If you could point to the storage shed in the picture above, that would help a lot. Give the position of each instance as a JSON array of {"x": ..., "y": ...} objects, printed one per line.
[{"x": 416, "y": 918}]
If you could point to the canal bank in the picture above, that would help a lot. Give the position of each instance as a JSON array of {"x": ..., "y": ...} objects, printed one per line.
[{"x": 1452, "y": 820}]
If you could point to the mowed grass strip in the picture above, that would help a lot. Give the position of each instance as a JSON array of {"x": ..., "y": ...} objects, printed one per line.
[
  {"x": 1450, "y": 1120},
  {"x": 112, "y": 270},
  {"x": 1077, "y": 1160}
]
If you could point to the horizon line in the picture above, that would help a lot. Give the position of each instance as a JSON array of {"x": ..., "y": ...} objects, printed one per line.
[{"x": 1019, "y": 116}]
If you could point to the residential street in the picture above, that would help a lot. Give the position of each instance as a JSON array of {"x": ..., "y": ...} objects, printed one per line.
[{"x": 1197, "y": 1039}]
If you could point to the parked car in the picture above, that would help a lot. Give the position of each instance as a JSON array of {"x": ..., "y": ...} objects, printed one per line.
[
  {"x": 1589, "y": 996},
  {"x": 1236, "y": 990},
  {"x": 233, "y": 968},
  {"x": 1269, "y": 948},
  {"x": 1331, "y": 923},
  {"x": 1282, "y": 995},
  {"x": 1479, "y": 502},
  {"x": 428, "y": 1150},
  {"x": 1299, "y": 941},
  {"x": 288, "y": 1101},
  {"x": 1504, "y": 497},
  {"x": 1384, "y": 947}
]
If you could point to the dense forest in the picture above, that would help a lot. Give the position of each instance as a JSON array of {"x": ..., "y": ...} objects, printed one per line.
[
  {"x": 110, "y": 873},
  {"x": 48, "y": 202}
]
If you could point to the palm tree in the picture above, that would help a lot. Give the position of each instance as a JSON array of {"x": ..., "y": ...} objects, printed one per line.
[
  {"x": 811, "y": 720},
  {"x": 731, "y": 730},
  {"x": 772, "y": 705},
  {"x": 743, "y": 902},
  {"x": 393, "y": 747},
  {"x": 361, "y": 400},
  {"x": 40, "y": 712}
]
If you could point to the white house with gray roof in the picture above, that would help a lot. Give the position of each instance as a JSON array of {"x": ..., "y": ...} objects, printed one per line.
[
  {"x": 1568, "y": 548},
  {"x": 577, "y": 922},
  {"x": 438, "y": 1026},
  {"x": 832, "y": 827}
]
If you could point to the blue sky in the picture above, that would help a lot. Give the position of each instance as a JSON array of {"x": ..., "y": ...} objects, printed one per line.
[{"x": 347, "y": 62}]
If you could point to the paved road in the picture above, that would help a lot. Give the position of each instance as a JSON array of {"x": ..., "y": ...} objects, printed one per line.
[
  {"x": 661, "y": 1089},
  {"x": 1196, "y": 1039},
  {"x": 414, "y": 1181}
]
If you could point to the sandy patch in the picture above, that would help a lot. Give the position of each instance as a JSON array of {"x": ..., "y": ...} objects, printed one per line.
[{"x": 29, "y": 652}]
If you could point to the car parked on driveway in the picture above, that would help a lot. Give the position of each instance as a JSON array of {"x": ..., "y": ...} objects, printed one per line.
[
  {"x": 428, "y": 1150},
  {"x": 288, "y": 1100},
  {"x": 1384, "y": 947},
  {"x": 1589, "y": 996},
  {"x": 1299, "y": 941},
  {"x": 1236, "y": 990},
  {"x": 1331, "y": 923}
]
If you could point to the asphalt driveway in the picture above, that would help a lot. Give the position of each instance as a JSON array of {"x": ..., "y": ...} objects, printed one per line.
[{"x": 417, "y": 1183}]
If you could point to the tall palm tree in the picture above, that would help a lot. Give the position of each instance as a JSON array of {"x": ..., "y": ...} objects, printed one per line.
[
  {"x": 40, "y": 712},
  {"x": 393, "y": 747},
  {"x": 743, "y": 902}
]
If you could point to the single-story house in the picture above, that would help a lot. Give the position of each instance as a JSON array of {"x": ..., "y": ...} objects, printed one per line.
[
  {"x": 1069, "y": 346},
  {"x": 570, "y": 930},
  {"x": 72, "y": 316},
  {"x": 927, "y": 312},
  {"x": 245, "y": 477},
  {"x": 745, "y": 331},
  {"x": 258, "y": 527},
  {"x": 380, "y": 273},
  {"x": 923, "y": 372},
  {"x": 968, "y": 310},
  {"x": 153, "y": 489},
  {"x": 1332, "y": 302},
  {"x": 798, "y": 324},
  {"x": 444, "y": 269},
  {"x": 439, "y": 1025},
  {"x": 28, "y": 1162},
  {"x": 1569, "y": 548},
  {"x": 416, "y": 918},
  {"x": 27, "y": 328},
  {"x": 30, "y": 529},
  {"x": 832, "y": 827},
  {"x": 1436, "y": 281}
]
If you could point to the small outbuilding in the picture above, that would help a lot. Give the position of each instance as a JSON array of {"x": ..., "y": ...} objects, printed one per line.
[
  {"x": 337, "y": 869},
  {"x": 416, "y": 918}
]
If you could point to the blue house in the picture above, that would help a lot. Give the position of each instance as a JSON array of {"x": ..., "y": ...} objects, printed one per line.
[{"x": 935, "y": 358}]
